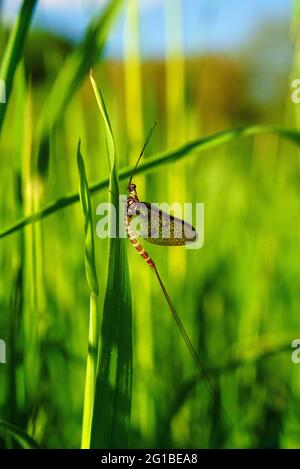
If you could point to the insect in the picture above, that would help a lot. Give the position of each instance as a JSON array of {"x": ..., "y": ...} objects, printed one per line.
[
  {"x": 166, "y": 230},
  {"x": 158, "y": 227}
]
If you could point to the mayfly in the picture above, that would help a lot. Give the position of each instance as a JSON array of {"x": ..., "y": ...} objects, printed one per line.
[{"x": 162, "y": 229}]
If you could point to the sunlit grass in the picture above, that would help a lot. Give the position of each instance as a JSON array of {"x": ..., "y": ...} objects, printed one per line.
[{"x": 238, "y": 296}]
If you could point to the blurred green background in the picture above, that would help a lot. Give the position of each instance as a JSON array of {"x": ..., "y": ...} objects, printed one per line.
[{"x": 238, "y": 296}]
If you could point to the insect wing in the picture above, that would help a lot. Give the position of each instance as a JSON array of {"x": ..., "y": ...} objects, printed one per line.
[{"x": 159, "y": 227}]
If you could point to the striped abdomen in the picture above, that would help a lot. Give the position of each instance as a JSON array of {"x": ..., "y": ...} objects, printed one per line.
[{"x": 137, "y": 244}]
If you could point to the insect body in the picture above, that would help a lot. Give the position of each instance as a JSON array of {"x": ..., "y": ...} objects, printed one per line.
[{"x": 132, "y": 202}]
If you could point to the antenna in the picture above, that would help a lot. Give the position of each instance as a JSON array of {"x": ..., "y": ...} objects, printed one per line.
[{"x": 143, "y": 150}]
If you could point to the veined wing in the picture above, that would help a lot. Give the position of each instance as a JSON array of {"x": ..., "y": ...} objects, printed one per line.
[{"x": 159, "y": 227}]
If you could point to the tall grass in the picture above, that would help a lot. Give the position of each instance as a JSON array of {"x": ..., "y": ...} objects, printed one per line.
[
  {"x": 133, "y": 80},
  {"x": 25, "y": 440},
  {"x": 239, "y": 295},
  {"x": 112, "y": 407},
  {"x": 14, "y": 50},
  {"x": 94, "y": 325},
  {"x": 143, "y": 414},
  {"x": 176, "y": 134}
]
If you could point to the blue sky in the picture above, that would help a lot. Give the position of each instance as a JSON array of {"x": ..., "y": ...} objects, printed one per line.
[{"x": 209, "y": 25}]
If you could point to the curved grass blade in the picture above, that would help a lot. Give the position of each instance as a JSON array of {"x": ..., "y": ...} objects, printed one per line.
[
  {"x": 14, "y": 50},
  {"x": 94, "y": 324},
  {"x": 86, "y": 204},
  {"x": 22, "y": 437},
  {"x": 154, "y": 162},
  {"x": 111, "y": 417}
]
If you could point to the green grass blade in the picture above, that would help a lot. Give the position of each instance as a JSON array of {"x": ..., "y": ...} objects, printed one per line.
[
  {"x": 14, "y": 50},
  {"x": 86, "y": 204},
  {"x": 109, "y": 138},
  {"x": 91, "y": 275},
  {"x": 153, "y": 162},
  {"x": 134, "y": 99},
  {"x": 111, "y": 418},
  {"x": 33, "y": 287},
  {"x": 22, "y": 437}
]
